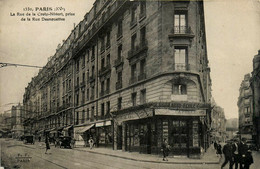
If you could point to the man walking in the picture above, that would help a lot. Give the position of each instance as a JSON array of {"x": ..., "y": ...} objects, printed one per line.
[
  {"x": 242, "y": 151},
  {"x": 235, "y": 154},
  {"x": 227, "y": 151}
]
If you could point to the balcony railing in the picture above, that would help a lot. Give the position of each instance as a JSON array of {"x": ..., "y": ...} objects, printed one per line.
[
  {"x": 143, "y": 46},
  {"x": 133, "y": 80},
  {"x": 142, "y": 76},
  {"x": 119, "y": 85},
  {"x": 118, "y": 61},
  {"x": 182, "y": 30}
]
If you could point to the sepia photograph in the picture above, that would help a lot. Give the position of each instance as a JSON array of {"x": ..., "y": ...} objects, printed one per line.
[{"x": 129, "y": 84}]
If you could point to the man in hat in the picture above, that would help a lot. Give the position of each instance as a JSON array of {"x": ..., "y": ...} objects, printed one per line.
[{"x": 242, "y": 151}]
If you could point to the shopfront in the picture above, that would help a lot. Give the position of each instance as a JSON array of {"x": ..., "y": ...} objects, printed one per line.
[
  {"x": 104, "y": 134},
  {"x": 144, "y": 130}
]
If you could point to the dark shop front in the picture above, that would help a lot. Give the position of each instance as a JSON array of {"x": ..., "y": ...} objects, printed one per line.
[{"x": 144, "y": 130}]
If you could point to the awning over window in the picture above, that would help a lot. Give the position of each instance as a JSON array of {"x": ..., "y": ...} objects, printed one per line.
[{"x": 80, "y": 130}]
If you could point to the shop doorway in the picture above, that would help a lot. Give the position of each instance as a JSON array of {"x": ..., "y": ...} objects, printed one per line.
[
  {"x": 179, "y": 137},
  {"x": 119, "y": 138}
]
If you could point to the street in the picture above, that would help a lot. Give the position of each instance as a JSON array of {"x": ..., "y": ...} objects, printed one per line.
[{"x": 71, "y": 158}]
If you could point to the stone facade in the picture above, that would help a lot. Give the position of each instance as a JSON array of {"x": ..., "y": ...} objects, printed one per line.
[
  {"x": 17, "y": 121},
  {"x": 130, "y": 71},
  {"x": 255, "y": 86},
  {"x": 218, "y": 124},
  {"x": 245, "y": 107}
]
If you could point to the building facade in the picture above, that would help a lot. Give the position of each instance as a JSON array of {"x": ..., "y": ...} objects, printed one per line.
[
  {"x": 255, "y": 86},
  {"x": 245, "y": 108},
  {"x": 218, "y": 124},
  {"x": 130, "y": 75},
  {"x": 17, "y": 121}
]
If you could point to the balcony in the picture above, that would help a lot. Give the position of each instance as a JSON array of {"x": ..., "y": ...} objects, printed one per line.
[
  {"x": 142, "y": 76},
  {"x": 119, "y": 85},
  {"x": 181, "y": 31},
  {"x": 104, "y": 70},
  {"x": 133, "y": 80},
  {"x": 142, "y": 15},
  {"x": 118, "y": 61},
  {"x": 142, "y": 47},
  {"x": 180, "y": 66}
]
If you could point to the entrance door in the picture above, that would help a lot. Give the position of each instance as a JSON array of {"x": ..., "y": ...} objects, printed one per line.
[
  {"x": 119, "y": 137},
  {"x": 179, "y": 137}
]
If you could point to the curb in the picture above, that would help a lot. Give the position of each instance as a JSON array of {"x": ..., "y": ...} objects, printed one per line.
[{"x": 151, "y": 161}]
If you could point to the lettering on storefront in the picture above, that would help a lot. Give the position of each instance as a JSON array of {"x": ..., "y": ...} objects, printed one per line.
[
  {"x": 180, "y": 112},
  {"x": 134, "y": 115}
]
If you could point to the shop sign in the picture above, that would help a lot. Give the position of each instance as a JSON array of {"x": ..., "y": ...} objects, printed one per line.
[
  {"x": 180, "y": 112},
  {"x": 104, "y": 123},
  {"x": 134, "y": 115}
]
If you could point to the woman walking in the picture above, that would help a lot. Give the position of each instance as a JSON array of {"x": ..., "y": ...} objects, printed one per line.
[{"x": 165, "y": 149}]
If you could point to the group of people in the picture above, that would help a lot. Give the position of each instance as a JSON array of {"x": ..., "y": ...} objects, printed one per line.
[{"x": 235, "y": 153}]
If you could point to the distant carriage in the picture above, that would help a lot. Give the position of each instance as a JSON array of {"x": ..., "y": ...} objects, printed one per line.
[
  {"x": 29, "y": 139},
  {"x": 65, "y": 142}
]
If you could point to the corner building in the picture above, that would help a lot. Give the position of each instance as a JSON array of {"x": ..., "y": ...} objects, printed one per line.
[{"x": 139, "y": 75}]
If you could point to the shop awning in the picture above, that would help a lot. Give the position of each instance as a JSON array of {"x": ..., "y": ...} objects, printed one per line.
[{"x": 81, "y": 130}]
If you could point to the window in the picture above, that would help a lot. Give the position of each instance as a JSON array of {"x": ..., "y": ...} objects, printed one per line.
[
  {"x": 143, "y": 96},
  {"x": 92, "y": 112},
  {"x": 108, "y": 39},
  {"x": 92, "y": 71},
  {"x": 180, "y": 58},
  {"x": 77, "y": 99},
  {"x": 102, "y": 88},
  {"x": 142, "y": 8},
  {"x": 180, "y": 23},
  {"x": 133, "y": 42},
  {"x": 119, "y": 76},
  {"x": 83, "y": 97},
  {"x": 134, "y": 99},
  {"x": 87, "y": 55},
  {"x": 83, "y": 78},
  {"x": 133, "y": 15},
  {"x": 83, "y": 61},
  {"x": 179, "y": 89},
  {"x": 102, "y": 110},
  {"x": 87, "y": 113},
  {"x": 143, "y": 36},
  {"x": 119, "y": 103},
  {"x": 108, "y": 86},
  {"x": 87, "y": 94},
  {"x": 102, "y": 44},
  {"x": 92, "y": 93},
  {"x": 142, "y": 67},
  {"x": 108, "y": 107},
  {"x": 133, "y": 73},
  {"x": 119, "y": 52},
  {"x": 119, "y": 28},
  {"x": 93, "y": 53},
  {"x": 102, "y": 63},
  {"x": 77, "y": 81},
  {"x": 77, "y": 118},
  {"x": 77, "y": 65},
  {"x": 108, "y": 59},
  {"x": 83, "y": 116}
]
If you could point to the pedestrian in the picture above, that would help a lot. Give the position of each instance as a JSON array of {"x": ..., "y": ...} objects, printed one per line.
[
  {"x": 242, "y": 151},
  {"x": 73, "y": 140},
  {"x": 165, "y": 149},
  {"x": 249, "y": 159},
  {"x": 228, "y": 153},
  {"x": 39, "y": 138},
  {"x": 219, "y": 152},
  {"x": 47, "y": 144},
  {"x": 215, "y": 145},
  {"x": 91, "y": 143},
  {"x": 236, "y": 158}
]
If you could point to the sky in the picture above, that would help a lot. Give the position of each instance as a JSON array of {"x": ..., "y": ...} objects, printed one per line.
[{"x": 232, "y": 32}]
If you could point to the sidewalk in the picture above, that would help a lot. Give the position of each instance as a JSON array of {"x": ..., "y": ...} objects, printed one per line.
[{"x": 209, "y": 157}]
